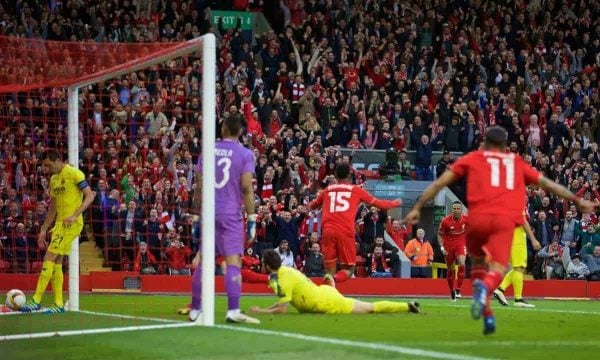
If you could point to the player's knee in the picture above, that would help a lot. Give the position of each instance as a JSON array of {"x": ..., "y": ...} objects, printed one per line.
[
  {"x": 50, "y": 256},
  {"x": 519, "y": 269}
]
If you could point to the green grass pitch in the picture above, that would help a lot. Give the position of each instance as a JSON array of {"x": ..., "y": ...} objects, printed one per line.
[{"x": 556, "y": 329}]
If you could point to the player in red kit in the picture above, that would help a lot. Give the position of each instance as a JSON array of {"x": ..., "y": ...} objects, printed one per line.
[
  {"x": 339, "y": 203},
  {"x": 496, "y": 181},
  {"x": 452, "y": 237}
]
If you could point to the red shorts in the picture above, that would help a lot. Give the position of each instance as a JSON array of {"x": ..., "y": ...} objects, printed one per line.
[
  {"x": 337, "y": 246},
  {"x": 490, "y": 236},
  {"x": 454, "y": 251}
]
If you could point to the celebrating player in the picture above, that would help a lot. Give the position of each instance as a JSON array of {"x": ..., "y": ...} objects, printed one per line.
[
  {"x": 518, "y": 262},
  {"x": 340, "y": 203},
  {"x": 291, "y": 286},
  {"x": 67, "y": 185},
  {"x": 496, "y": 183},
  {"x": 452, "y": 237},
  {"x": 234, "y": 173}
]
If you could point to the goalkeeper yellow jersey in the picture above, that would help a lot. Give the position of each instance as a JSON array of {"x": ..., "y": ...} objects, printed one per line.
[
  {"x": 292, "y": 286},
  {"x": 66, "y": 191}
]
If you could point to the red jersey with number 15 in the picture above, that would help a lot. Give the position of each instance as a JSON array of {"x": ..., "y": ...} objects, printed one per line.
[
  {"x": 340, "y": 203},
  {"x": 496, "y": 182},
  {"x": 454, "y": 232}
]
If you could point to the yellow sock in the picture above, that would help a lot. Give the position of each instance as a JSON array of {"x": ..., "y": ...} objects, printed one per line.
[
  {"x": 517, "y": 280},
  {"x": 44, "y": 279},
  {"x": 389, "y": 307},
  {"x": 57, "y": 285},
  {"x": 507, "y": 281}
]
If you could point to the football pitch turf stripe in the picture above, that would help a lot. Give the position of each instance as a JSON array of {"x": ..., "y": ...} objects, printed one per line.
[
  {"x": 357, "y": 344},
  {"x": 536, "y": 309}
]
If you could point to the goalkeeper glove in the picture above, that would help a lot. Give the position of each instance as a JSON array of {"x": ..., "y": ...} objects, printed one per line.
[{"x": 251, "y": 227}]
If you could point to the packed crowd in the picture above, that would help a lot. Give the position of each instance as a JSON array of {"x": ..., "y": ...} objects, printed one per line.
[{"x": 372, "y": 74}]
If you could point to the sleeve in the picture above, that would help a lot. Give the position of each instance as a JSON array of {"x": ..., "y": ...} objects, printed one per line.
[
  {"x": 249, "y": 163},
  {"x": 442, "y": 229},
  {"x": 283, "y": 290},
  {"x": 318, "y": 202},
  {"x": 367, "y": 198},
  {"x": 79, "y": 179},
  {"x": 532, "y": 176},
  {"x": 461, "y": 166}
]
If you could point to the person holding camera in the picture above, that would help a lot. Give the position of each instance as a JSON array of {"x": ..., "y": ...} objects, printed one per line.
[
  {"x": 177, "y": 254},
  {"x": 553, "y": 263}
]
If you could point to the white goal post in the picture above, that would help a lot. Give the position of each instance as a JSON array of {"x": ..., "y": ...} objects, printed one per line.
[{"x": 207, "y": 44}]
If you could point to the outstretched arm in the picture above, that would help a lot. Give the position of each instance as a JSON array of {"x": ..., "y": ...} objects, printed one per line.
[
  {"x": 585, "y": 206},
  {"x": 277, "y": 308}
]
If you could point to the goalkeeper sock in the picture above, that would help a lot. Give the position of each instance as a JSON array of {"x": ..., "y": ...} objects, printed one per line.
[
  {"x": 57, "y": 285},
  {"x": 197, "y": 288},
  {"x": 381, "y": 307},
  {"x": 233, "y": 286},
  {"x": 341, "y": 276},
  {"x": 461, "y": 276},
  {"x": 507, "y": 282},
  {"x": 517, "y": 281},
  {"x": 44, "y": 279}
]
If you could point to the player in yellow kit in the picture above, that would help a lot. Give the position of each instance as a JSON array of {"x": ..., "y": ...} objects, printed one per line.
[
  {"x": 518, "y": 262},
  {"x": 293, "y": 287},
  {"x": 71, "y": 195}
]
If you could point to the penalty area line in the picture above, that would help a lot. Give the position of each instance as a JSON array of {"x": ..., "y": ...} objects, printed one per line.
[{"x": 357, "y": 344}]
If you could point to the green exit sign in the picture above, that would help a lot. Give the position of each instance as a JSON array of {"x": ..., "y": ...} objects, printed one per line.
[{"x": 229, "y": 19}]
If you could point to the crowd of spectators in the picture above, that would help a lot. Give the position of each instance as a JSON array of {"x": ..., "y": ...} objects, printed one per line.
[{"x": 407, "y": 76}]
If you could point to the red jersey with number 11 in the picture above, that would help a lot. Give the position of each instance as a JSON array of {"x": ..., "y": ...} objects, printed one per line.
[
  {"x": 340, "y": 203},
  {"x": 496, "y": 182}
]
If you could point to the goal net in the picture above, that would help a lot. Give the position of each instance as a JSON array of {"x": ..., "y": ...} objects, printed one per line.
[{"x": 135, "y": 119}]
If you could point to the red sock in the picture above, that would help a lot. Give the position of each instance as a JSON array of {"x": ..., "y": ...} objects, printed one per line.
[
  {"x": 478, "y": 272},
  {"x": 491, "y": 280},
  {"x": 461, "y": 276},
  {"x": 254, "y": 277},
  {"x": 341, "y": 276},
  {"x": 450, "y": 275}
]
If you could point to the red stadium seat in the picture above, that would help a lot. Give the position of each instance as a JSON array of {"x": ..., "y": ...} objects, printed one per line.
[{"x": 36, "y": 267}]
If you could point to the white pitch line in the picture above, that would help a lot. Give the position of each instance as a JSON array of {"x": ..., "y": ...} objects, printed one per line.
[
  {"x": 581, "y": 312},
  {"x": 171, "y": 324},
  {"x": 549, "y": 343},
  {"x": 357, "y": 344},
  {"x": 22, "y": 313},
  {"x": 123, "y": 316},
  {"x": 93, "y": 331}
]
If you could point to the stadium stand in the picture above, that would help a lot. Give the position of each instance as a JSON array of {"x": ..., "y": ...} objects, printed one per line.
[{"x": 330, "y": 75}]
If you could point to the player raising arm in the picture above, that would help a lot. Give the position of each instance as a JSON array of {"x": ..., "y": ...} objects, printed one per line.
[
  {"x": 293, "y": 287},
  {"x": 339, "y": 203},
  {"x": 496, "y": 183},
  {"x": 71, "y": 196}
]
